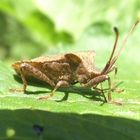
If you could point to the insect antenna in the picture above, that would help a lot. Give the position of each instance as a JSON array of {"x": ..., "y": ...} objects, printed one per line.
[
  {"x": 113, "y": 51},
  {"x": 112, "y": 59}
]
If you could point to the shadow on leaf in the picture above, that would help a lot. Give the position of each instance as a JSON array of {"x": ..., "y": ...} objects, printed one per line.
[
  {"x": 36, "y": 124},
  {"x": 85, "y": 92}
]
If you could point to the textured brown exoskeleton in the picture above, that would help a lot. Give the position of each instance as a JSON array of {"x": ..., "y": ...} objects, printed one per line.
[{"x": 70, "y": 68}]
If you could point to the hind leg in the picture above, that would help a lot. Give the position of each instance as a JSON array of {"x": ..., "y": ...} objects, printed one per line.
[{"x": 36, "y": 73}]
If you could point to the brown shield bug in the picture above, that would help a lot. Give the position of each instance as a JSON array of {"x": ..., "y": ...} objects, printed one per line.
[{"x": 70, "y": 68}]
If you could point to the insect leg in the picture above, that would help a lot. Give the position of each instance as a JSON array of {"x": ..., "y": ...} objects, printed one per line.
[
  {"x": 21, "y": 72},
  {"x": 95, "y": 81},
  {"x": 109, "y": 89},
  {"x": 61, "y": 83},
  {"x": 98, "y": 80},
  {"x": 102, "y": 91},
  {"x": 109, "y": 94},
  {"x": 23, "y": 79},
  {"x": 115, "y": 69},
  {"x": 27, "y": 68},
  {"x": 114, "y": 85}
]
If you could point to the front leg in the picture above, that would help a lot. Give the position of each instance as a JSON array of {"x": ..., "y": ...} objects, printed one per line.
[
  {"x": 36, "y": 73},
  {"x": 114, "y": 85},
  {"x": 97, "y": 80}
]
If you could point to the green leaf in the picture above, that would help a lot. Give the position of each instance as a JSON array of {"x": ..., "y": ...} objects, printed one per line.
[{"x": 82, "y": 115}]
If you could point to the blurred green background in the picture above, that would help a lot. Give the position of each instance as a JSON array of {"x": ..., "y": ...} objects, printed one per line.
[{"x": 31, "y": 28}]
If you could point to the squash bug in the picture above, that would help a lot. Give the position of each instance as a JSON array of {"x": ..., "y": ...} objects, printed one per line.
[{"x": 67, "y": 69}]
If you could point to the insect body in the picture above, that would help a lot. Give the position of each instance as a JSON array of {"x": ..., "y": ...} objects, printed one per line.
[{"x": 70, "y": 68}]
